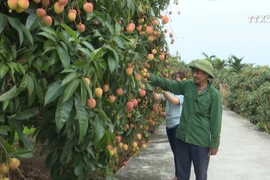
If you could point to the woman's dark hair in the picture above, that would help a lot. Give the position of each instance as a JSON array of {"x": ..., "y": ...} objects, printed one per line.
[{"x": 181, "y": 74}]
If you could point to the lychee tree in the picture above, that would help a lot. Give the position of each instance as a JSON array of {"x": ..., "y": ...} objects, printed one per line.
[{"x": 75, "y": 70}]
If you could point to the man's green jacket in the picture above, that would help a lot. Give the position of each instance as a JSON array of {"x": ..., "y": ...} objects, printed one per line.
[{"x": 201, "y": 114}]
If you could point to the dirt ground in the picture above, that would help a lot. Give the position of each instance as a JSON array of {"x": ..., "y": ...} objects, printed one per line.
[{"x": 31, "y": 169}]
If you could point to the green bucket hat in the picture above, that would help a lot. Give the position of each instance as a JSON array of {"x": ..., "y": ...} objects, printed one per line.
[{"x": 205, "y": 66}]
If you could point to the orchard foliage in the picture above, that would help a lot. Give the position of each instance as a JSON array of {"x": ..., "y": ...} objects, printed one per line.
[
  {"x": 71, "y": 69},
  {"x": 249, "y": 94}
]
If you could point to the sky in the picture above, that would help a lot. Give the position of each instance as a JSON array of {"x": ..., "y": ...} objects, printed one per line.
[{"x": 221, "y": 28}]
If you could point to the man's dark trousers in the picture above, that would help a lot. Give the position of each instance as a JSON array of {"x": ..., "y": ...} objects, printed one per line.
[{"x": 188, "y": 153}]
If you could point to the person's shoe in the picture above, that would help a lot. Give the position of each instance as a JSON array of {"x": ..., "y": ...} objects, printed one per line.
[{"x": 175, "y": 178}]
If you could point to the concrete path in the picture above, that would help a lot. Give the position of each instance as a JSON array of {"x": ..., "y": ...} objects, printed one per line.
[{"x": 244, "y": 155}]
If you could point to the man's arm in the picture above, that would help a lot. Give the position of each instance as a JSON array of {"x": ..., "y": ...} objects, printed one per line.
[
  {"x": 215, "y": 122},
  {"x": 165, "y": 84}
]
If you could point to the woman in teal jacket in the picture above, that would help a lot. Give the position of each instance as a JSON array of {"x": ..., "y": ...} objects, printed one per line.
[{"x": 174, "y": 105}]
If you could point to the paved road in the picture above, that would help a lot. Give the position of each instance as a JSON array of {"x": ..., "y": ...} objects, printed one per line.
[{"x": 244, "y": 155}]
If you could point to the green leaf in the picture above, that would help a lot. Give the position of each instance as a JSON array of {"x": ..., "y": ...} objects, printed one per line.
[
  {"x": 51, "y": 61},
  {"x": 49, "y": 30},
  {"x": 9, "y": 94},
  {"x": 99, "y": 127},
  {"x": 47, "y": 35},
  {"x": 4, "y": 129},
  {"x": 54, "y": 91},
  {"x": 102, "y": 114},
  {"x": 27, "y": 34},
  {"x": 13, "y": 52},
  {"x": 85, "y": 51},
  {"x": 78, "y": 170},
  {"x": 119, "y": 42},
  {"x": 20, "y": 69},
  {"x": 12, "y": 66},
  {"x": 83, "y": 93},
  {"x": 26, "y": 141},
  {"x": 9, "y": 147},
  {"x": 68, "y": 71},
  {"x": 64, "y": 56},
  {"x": 63, "y": 110},
  {"x": 148, "y": 87},
  {"x": 69, "y": 78},
  {"x": 30, "y": 84},
  {"x": 16, "y": 24},
  {"x": 3, "y": 70},
  {"x": 26, "y": 114},
  {"x": 97, "y": 53},
  {"x": 117, "y": 28},
  {"x": 80, "y": 63},
  {"x": 22, "y": 153},
  {"x": 39, "y": 93},
  {"x": 70, "y": 89},
  {"x": 31, "y": 98},
  {"x": 112, "y": 63},
  {"x": 24, "y": 82},
  {"x": 48, "y": 46},
  {"x": 5, "y": 104},
  {"x": 97, "y": 34},
  {"x": 116, "y": 56},
  {"x": 98, "y": 69},
  {"x": 2, "y": 118},
  {"x": 3, "y": 22},
  {"x": 70, "y": 31},
  {"x": 82, "y": 116},
  {"x": 88, "y": 45},
  {"x": 31, "y": 19},
  {"x": 109, "y": 26}
]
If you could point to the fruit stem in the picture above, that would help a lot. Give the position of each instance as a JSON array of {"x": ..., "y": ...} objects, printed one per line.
[{"x": 1, "y": 139}]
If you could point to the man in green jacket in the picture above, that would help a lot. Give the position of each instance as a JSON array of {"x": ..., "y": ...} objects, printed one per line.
[{"x": 198, "y": 134}]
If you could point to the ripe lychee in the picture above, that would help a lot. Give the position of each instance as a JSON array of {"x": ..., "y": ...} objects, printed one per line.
[
  {"x": 106, "y": 87},
  {"x": 24, "y": 4},
  {"x": 63, "y": 2},
  {"x": 91, "y": 103},
  {"x": 98, "y": 92},
  {"x": 58, "y": 7},
  {"x": 155, "y": 22},
  {"x": 129, "y": 106},
  {"x": 149, "y": 30},
  {"x": 165, "y": 19},
  {"x": 129, "y": 71},
  {"x": 150, "y": 57},
  {"x": 36, "y": 1},
  {"x": 81, "y": 27},
  {"x": 119, "y": 91},
  {"x": 19, "y": 9},
  {"x": 87, "y": 80},
  {"x": 142, "y": 93},
  {"x": 47, "y": 20},
  {"x": 88, "y": 7},
  {"x": 72, "y": 14},
  {"x": 40, "y": 12},
  {"x": 14, "y": 163},
  {"x": 45, "y": 2},
  {"x": 111, "y": 98},
  {"x": 12, "y": 4}
]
